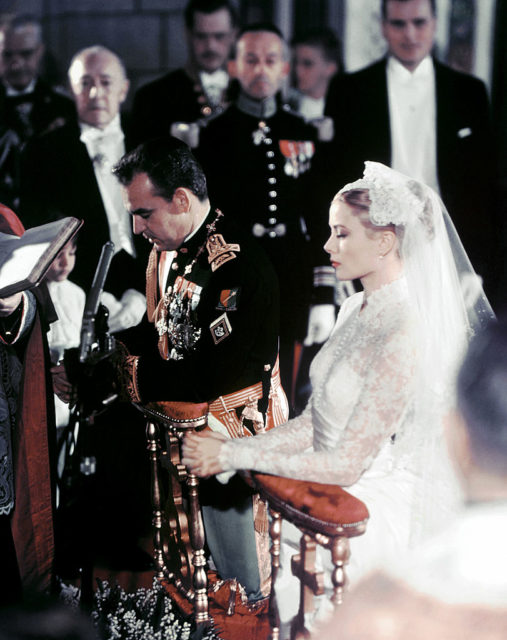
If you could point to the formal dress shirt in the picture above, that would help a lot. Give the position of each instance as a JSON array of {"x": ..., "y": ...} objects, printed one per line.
[
  {"x": 105, "y": 148},
  {"x": 214, "y": 85},
  {"x": 311, "y": 108},
  {"x": 412, "y": 115}
]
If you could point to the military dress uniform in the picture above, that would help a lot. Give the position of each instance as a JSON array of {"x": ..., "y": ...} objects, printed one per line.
[
  {"x": 177, "y": 97},
  {"x": 257, "y": 158},
  {"x": 213, "y": 332}
]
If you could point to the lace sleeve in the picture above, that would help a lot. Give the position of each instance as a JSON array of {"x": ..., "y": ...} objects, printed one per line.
[
  {"x": 362, "y": 404},
  {"x": 293, "y": 436}
]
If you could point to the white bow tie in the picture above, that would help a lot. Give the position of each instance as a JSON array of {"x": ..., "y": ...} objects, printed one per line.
[
  {"x": 102, "y": 136},
  {"x": 218, "y": 79}
]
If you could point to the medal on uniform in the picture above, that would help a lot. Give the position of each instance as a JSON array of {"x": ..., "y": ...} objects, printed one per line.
[
  {"x": 298, "y": 155},
  {"x": 260, "y": 134}
]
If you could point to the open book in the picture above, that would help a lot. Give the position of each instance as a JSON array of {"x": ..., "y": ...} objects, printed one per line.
[{"x": 25, "y": 260}]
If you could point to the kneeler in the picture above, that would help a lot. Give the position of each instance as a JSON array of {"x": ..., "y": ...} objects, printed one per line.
[
  {"x": 326, "y": 515},
  {"x": 178, "y": 531}
]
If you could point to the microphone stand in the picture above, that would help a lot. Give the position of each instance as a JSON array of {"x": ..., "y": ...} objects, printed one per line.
[{"x": 96, "y": 345}]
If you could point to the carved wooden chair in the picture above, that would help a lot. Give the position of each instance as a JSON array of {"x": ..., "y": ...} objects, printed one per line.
[
  {"x": 326, "y": 515},
  {"x": 177, "y": 520}
]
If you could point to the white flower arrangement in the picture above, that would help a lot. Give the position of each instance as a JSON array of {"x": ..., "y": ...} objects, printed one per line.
[{"x": 146, "y": 614}]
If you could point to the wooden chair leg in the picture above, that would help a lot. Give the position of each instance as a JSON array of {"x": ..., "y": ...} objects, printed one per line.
[
  {"x": 200, "y": 579},
  {"x": 340, "y": 554},
  {"x": 311, "y": 583},
  {"x": 275, "y": 532},
  {"x": 156, "y": 499}
]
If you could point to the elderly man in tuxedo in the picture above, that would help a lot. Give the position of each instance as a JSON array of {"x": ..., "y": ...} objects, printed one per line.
[
  {"x": 410, "y": 111},
  {"x": 68, "y": 172}
]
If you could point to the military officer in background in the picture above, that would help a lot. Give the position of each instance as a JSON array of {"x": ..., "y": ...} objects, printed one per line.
[
  {"x": 184, "y": 98},
  {"x": 210, "y": 335},
  {"x": 257, "y": 157}
]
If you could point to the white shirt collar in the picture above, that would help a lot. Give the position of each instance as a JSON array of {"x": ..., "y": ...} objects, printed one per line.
[
  {"x": 89, "y": 133},
  {"x": 423, "y": 70},
  {"x": 12, "y": 92}
]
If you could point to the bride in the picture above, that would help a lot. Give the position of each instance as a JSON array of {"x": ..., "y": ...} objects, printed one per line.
[{"x": 382, "y": 383}]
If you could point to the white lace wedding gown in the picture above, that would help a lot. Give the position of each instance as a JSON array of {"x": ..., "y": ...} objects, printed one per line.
[{"x": 357, "y": 431}]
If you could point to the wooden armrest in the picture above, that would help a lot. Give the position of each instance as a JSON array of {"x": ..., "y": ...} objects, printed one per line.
[{"x": 325, "y": 508}]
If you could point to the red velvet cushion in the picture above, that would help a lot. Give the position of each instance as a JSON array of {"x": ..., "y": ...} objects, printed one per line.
[{"x": 324, "y": 502}]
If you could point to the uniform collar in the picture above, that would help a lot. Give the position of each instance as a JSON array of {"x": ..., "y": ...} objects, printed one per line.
[{"x": 257, "y": 108}]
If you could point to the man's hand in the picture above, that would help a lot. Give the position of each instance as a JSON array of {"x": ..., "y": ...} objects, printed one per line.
[
  {"x": 61, "y": 384},
  {"x": 10, "y": 304},
  {"x": 201, "y": 453}
]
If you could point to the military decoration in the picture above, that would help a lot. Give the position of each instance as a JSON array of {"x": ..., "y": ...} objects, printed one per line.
[
  {"x": 261, "y": 133},
  {"x": 298, "y": 156},
  {"x": 228, "y": 300},
  {"x": 219, "y": 252},
  {"x": 176, "y": 322},
  {"x": 220, "y": 328}
]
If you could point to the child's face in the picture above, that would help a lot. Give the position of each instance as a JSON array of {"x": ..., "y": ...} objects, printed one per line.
[{"x": 63, "y": 264}]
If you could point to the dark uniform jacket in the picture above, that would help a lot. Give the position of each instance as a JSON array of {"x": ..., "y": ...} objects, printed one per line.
[
  {"x": 222, "y": 319},
  {"x": 21, "y": 118},
  {"x": 176, "y": 97},
  {"x": 358, "y": 104},
  {"x": 259, "y": 171},
  {"x": 58, "y": 180}
]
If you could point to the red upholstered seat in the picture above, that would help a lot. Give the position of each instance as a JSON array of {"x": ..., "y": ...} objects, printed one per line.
[
  {"x": 326, "y": 508},
  {"x": 177, "y": 412}
]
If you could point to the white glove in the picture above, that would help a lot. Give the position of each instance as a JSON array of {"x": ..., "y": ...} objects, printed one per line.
[
  {"x": 320, "y": 324},
  {"x": 126, "y": 312}
]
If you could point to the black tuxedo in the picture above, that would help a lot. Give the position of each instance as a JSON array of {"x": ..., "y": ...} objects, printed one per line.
[
  {"x": 21, "y": 118},
  {"x": 358, "y": 104},
  {"x": 177, "y": 96},
  {"x": 58, "y": 180}
]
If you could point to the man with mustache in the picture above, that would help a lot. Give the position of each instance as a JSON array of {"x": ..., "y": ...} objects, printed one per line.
[
  {"x": 259, "y": 154},
  {"x": 198, "y": 90}
]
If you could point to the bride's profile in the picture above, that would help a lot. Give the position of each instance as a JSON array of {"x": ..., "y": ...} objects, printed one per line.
[{"x": 382, "y": 383}]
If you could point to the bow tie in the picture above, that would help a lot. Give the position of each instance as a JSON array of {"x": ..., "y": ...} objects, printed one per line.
[
  {"x": 101, "y": 136},
  {"x": 218, "y": 79}
]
